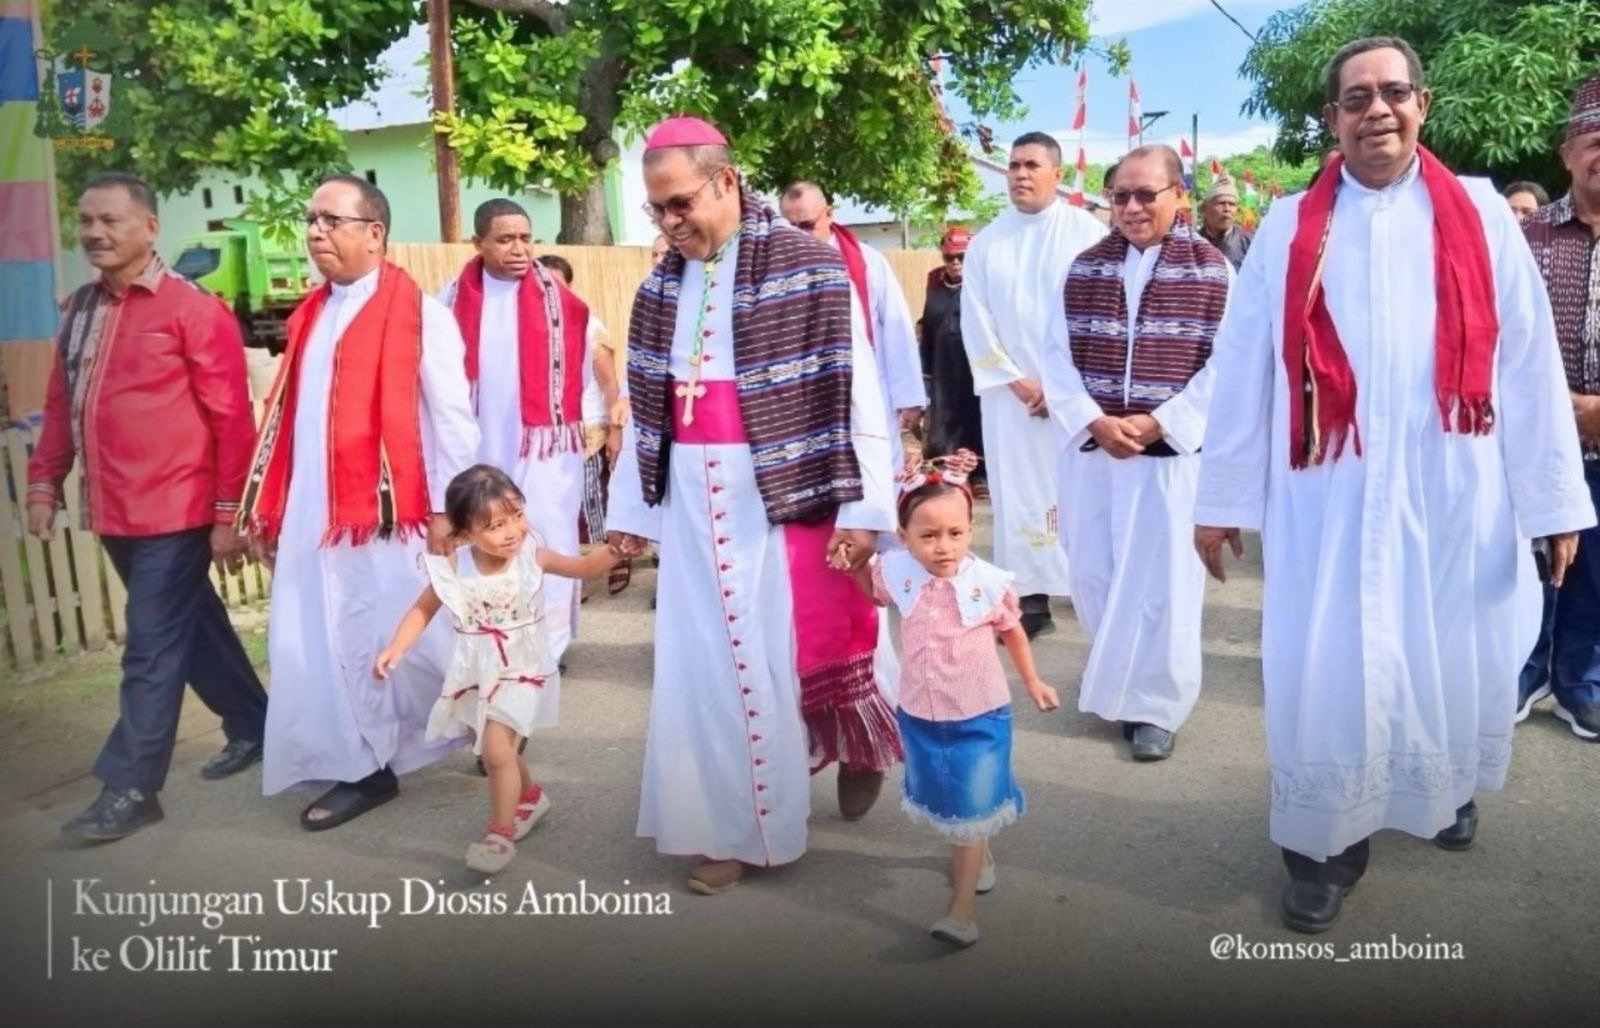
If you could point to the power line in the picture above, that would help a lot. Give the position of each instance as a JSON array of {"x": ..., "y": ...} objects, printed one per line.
[{"x": 1231, "y": 18}]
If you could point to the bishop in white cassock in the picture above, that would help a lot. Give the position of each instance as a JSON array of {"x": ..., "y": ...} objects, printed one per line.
[
  {"x": 368, "y": 422},
  {"x": 1396, "y": 453},
  {"x": 729, "y": 754},
  {"x": 1015, "y": 268},
  {"x": 890, "y": 329},
  {"x": 530, "y": 365},
  {"x": 1128, "y": 386}
]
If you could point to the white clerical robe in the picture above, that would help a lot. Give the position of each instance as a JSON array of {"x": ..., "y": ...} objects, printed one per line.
[
  {"x": 894, "y": 345},
  {"x": 334, "y": 607},
  {"x": 551, "y": 483},
  {"x": 1137, "y": 584},
  {"x": 1015, "y": 269},
  {"x": 1400, "y": 600},
  {"x": 726, "y": 765}
]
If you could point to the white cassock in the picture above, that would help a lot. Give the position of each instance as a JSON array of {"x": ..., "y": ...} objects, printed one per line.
[
  {"x": 1138, "y": 586},
  {"x": 334, "y": 607},
  {"x": 552, "y": 484},
  {"x": 894, "y": 345},
  {"x": 1400, "y": 599},
  {"x": 727, "y": 764},
  {"x": 1015, "y": 270}
]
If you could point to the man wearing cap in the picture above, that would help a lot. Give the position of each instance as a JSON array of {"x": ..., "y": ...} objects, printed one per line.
[
  {"x": 1391, "y": 417},
  {"x": 757, "y": 457},
  {"x": 1565, "y": 238},
  {"x": 1015, "y": 268},
  {"x": 1217, "y": 212},
  {"x": 954, "y": 420},
  {"x": 894, "y": 341}
]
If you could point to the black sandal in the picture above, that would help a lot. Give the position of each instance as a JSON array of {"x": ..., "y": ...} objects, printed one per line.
[
  {"x": 620, "y": 576},
  {"x": 349, "y": 800}
]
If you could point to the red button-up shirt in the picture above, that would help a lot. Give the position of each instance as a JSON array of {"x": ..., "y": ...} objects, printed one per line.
[{"x": 158, "y": 408}]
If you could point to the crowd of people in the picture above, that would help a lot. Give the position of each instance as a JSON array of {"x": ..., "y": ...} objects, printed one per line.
[{"x": 1135, "y": 397}]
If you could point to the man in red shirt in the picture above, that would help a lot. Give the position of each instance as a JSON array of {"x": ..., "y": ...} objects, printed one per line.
[{"x": 149, "y": 389}]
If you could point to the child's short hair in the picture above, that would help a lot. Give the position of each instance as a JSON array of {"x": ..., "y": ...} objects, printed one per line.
[
  {"x": 471, "y": 494},
  {"x": 914, "y": 498}
]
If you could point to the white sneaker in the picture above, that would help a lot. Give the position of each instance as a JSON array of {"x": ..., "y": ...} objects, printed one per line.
[
  {"x": 959, "y": 934},
  {"x": 1579, "y": 729},
  {"x": 492, "y": 854},
  {"x": 986, "y": 873},
  {"x": 528, "y": 814},
  {"x": 1527, "y": 704}
]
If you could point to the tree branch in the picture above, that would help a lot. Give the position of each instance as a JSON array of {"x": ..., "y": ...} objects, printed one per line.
[{"x": 551, "y": 15}]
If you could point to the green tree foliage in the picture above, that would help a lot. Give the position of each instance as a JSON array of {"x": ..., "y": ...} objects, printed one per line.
[
  {"x": 1502, "y": 73},
  {"x": 837, "y": 90}
]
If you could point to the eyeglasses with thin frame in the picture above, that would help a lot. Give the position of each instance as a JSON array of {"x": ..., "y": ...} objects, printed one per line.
[
  {"x": 329, "y": 222},
  {"x": 1358, "y": 100},
  {"x": 1146, "y": 197},
  {"x": 677, "y": 206}
]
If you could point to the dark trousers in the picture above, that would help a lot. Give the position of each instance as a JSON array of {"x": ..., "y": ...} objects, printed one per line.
[
  {"x": 178, "y": 631},
  {"x": 1567, "y": 655},
  {"x": 1344, "y": 869}
]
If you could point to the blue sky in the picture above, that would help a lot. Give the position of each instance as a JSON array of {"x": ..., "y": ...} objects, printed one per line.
[{"x": 1186, "y": 58}]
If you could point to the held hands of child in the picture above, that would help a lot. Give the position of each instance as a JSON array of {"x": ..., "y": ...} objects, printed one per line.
[{"x": 1042, "y": 695}]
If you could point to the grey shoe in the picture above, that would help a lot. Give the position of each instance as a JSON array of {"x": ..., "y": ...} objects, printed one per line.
[
  {"x": 1152, "y": 743},
  {"x": 117, "y": 813},
  {"x": 959, "y": 934}
]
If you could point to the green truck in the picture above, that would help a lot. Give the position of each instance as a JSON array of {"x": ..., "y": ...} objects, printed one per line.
[{"x": 261, "y": 280}]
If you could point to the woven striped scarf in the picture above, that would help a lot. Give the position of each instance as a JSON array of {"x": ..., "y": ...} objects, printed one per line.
[{"x": 791, "y": 342}]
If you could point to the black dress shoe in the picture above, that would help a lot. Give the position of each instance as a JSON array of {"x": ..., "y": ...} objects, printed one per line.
[
  {"x": 235, "y": 757},
  {"x": 1152, "y": 743},
  {"x": 1459, "y": 835},
  {"x": 1312, "y": 907},
  {"x": 1037, "y": 623},
  {"x": 117, "y": 813}
]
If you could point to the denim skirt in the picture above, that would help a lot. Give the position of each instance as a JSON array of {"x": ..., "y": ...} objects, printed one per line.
[{"x": 958, "y": 774}]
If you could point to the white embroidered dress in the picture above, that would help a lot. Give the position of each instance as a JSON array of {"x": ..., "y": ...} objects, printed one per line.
[{"x": 501, "y": 668}]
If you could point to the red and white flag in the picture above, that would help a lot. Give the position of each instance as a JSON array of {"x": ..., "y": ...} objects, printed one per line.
[
  {"x": 1075, "y": 194},
  {"x": 1135, "y": 113},
  {"x": 1186, "y": 155},
  {"x": 1080, "y": 113}
]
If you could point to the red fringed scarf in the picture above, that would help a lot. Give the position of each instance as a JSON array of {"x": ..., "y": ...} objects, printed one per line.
[
  {"x": 1465, "y": 326},
  {"x": 551, "y": 376},
  {"x": 855, "y": 266},
  {"x": 377, "y": 484}
]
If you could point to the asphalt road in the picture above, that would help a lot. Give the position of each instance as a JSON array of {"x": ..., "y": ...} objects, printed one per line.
[{"x": 1114, "y": 890}]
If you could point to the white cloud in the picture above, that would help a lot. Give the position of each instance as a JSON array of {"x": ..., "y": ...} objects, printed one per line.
[
  {"x": 1120, "y": 17},
  {"x": 1105, "y": 147}
]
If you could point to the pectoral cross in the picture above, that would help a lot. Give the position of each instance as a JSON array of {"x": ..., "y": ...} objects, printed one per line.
[{"x": 689, "y": 392}]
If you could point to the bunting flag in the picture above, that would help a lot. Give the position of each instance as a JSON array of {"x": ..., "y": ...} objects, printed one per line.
[
  {"x": 1186, "y": 155},
  {"x": 1075, "y": 195},
  {"x": 1135, "y": 114},
  {"x": 27, "y": 228}
]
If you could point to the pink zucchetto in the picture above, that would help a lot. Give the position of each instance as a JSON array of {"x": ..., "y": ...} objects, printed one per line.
[{"x": 683, "y": 130}]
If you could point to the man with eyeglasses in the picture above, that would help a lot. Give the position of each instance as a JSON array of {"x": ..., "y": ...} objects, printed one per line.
[
  {"x": 889, "y": 328},
  {"x": 369, "y": 420},
  {"x": 1217, "y": 215},
  {"x": 1128, "y": 388},
  {"x": 757, "y": 457},
  {"x": 148, "y": 389},
  {"x": 1015, "y": 268},
  {"x": 1565, "y": 238},
  {"x": 954, "y": 419},
  {"x": 530, "y": 364},
  {"x": 1391, "y": 416}
]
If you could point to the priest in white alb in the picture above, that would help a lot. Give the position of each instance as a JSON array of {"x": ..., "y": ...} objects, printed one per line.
[
  {"x": 366, "y": 425},
  {"x": 890, "y": 330},
  {"x": 757, "y": 458},
  {"x": 1015, "y": 269},
  {"x": 529, "y": 362},
  {"x": 1390, "y": 413},
  {"x": 1128, "y": 387}
]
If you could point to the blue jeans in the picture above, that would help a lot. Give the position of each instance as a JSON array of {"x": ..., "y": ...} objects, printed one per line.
[{"x": 1567, "y": 655}]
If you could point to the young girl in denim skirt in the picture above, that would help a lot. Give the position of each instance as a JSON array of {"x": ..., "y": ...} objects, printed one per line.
[{"x": 955, "y": 705}]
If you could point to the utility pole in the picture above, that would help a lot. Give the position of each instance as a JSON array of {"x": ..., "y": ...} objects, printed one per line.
[{"x": 442, "y": 71}]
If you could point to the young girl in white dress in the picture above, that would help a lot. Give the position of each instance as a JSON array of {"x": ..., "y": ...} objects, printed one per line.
[{"x": 503, "y": 681}]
